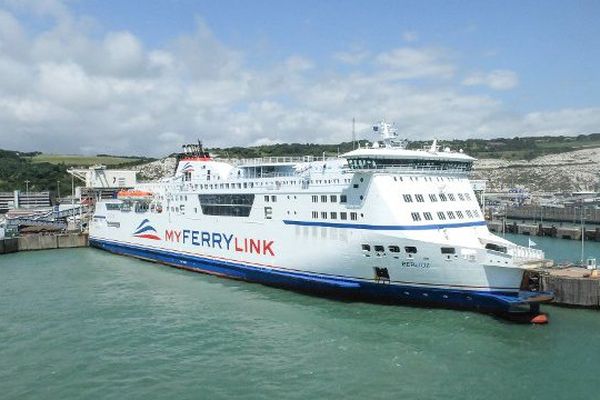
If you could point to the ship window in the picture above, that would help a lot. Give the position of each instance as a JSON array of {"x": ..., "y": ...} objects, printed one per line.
[
  {"x": 235, "y": 205},
  {"x": 333, "y": 215},
  {"x": 441, "y": 215},
  {"x": 343, "y": 216},
  {"x": 407, "y": 198},
  {"x": 468, "y": 196},
  {"x": 323, "y": 215},
  {"x": 495, "y": 247},
  {"x": 324, "y": 199},
  {"x": 433, "y": 198},
  {"x": 410, "y": 249},
  {"x": 333, "y": 198},
  {"x": 469, "y": 213},
  {"x": 450, "y": 215},
  {"x": 355, "y": 186},
  {"x": 461, "y": 197},
  {"x": 268, "y": 212},
  {"x": 266, "y": 199},
  {"x": 443, "y": 197},
  {"x": 451, "y": 197},
  {"x": 419, "y": 198},
  {"x": 448, "y": 250},
  {"x": 343, "y": 198},
  {"x": 415, "y": 216},
  {"x": 315, "y": 214},
  {"x": 195, "y": 210},
  {"x": 476, "y": 213},
  {"x": 113, "y": 206},
  {"x": 366, "y": 247},
  {"x": 315, "y": 199},
  {"x": 379, "y": 249},
  {"x": 427, "y": 216},
  {"x": 460, "y": 214},
  {"x": 353, "y": 216},
  {"x": 273, "y": 199},
  {"x": 394, "y": 249}
]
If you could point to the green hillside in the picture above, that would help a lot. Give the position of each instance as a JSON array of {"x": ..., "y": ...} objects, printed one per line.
[
  {"x": 524, "y": 148},
  {"x": 44, "y": 170},
  {"x": 76, "y": 160}
]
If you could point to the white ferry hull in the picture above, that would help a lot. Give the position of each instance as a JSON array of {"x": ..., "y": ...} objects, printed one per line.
[
  {"x": 382, "y": 224},
  {"x": 316, "y": 259}
]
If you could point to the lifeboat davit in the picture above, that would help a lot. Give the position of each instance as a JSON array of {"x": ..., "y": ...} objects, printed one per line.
[{"x": 134, "y": 195}]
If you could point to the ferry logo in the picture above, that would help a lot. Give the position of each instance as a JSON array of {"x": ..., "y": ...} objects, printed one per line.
[
  {"x": 187, "y": 167},
  {"x": 144, "y": 230},
  {"x": 221, "y": 240}
]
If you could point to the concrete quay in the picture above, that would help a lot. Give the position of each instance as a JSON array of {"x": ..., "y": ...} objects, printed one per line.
[
  {"x": 43, "y": 242},
  {"x": 570, "y": 232},
  {"x": 575, "y": 287}
]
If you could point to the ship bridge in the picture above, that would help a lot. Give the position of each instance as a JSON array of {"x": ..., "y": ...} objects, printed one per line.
[{"x": 389, "y": 154}]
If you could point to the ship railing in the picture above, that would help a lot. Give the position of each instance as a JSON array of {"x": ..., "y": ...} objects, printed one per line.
[
  {"x": 410, "y": 170},
  {"x": 276, "y": 160},
  {"x": 522, "y": 254}
]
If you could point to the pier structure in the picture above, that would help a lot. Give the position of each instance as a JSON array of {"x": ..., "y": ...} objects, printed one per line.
[
  {"x": 43, "y": 242},
  {"x": 547, "y": 228},
  {"x": 18, "y": 199}
]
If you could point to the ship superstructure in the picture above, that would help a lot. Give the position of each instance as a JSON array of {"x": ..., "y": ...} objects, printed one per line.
[{"x": 382, "y": 223}]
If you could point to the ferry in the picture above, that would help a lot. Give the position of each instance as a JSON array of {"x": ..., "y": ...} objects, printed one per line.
[{"x": 380, "y": 223}]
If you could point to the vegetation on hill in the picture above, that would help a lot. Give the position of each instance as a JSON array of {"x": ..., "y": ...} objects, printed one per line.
[
  {"x": 16, "y": 168},
  {"x": 524, "y": 148},
  {"x": 519, "y": 148},
  {"x": 44, "y": 170},
  {"x": 79, "y": 161}
]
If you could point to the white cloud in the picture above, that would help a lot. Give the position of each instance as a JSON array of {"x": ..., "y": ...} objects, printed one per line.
[
  {"x": 499, "y": 79},
  {"x": 411, "y": 62},
  {"x": 69, "y": 88},
  {"x": 353, "y": 57},
  {"x": 123, "y": 52},
  {"x": 410, "y": 36}
]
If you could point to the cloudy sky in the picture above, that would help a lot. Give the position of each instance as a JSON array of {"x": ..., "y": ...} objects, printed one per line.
[{"x": 143, "y": 77}]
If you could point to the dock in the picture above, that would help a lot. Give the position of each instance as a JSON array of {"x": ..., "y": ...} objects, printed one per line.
[
  {"x": 561, "y": 231},
  {"x": 573, "y": 286},
  {"x": 43, "y": 242}
]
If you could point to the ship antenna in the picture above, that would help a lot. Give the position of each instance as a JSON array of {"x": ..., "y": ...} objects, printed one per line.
[{"x": 353, "y": 133}]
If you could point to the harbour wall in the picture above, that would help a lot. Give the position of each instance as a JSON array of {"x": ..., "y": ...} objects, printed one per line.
[
  {"x": 577, "y": 292},
  {"x": 43, "y": 242},
  {"x": 570, "y": 232}
]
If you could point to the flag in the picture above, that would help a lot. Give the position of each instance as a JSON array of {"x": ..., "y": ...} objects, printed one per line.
[{"x": 532, "y": 243}]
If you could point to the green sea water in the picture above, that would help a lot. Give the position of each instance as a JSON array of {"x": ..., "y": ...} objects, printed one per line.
[{"x": 86, "y": 324}]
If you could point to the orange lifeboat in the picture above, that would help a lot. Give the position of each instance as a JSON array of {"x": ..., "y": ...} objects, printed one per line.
[{"x": 134, "y": 195}]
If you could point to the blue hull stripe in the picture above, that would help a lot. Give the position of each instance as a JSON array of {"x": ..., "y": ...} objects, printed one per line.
[
  {"x": 495, "y": 302},
  {"x": 384, "y": 227}
]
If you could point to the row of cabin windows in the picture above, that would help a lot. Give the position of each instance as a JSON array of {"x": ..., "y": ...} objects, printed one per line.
[
  {"x": 434, "y": 198},
  {"x": 392, "y": 248},
  {"x": 245, "y": 185},
  {"x": 425, "y": 178},
  {"x": 407, "y": 249},
  {"x": 334, "y": 215},
  {"x": 332, "y": 198},
  {"x": 273, "y": 199},
  {"x": 416, "y": 216}
]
